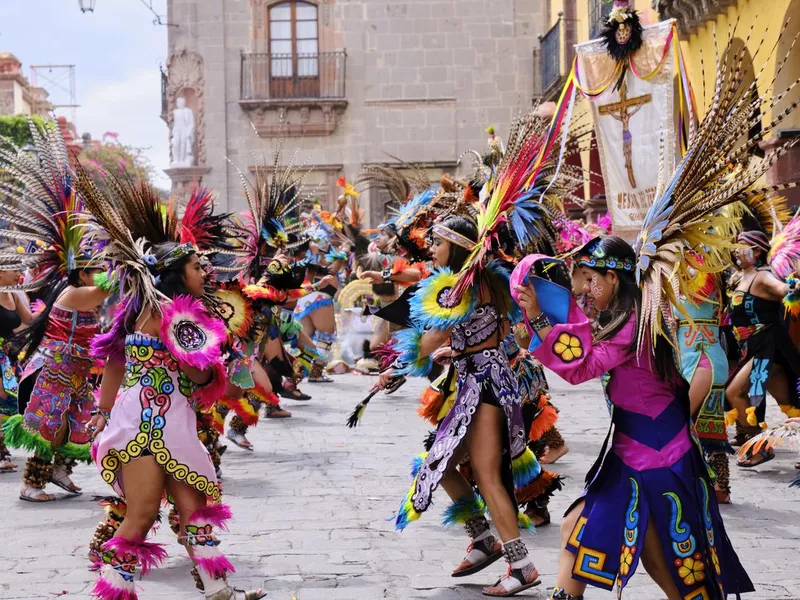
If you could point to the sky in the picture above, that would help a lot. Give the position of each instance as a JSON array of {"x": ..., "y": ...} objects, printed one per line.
[{"x": 116, "y": 51}]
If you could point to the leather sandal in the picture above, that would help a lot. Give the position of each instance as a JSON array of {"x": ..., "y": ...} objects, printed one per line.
[
  {"x": 514, "y": 582},
  {"x": 766, "y": 456},
  {"x": 230, "y": 593},
  {"x": 491, "y": 551},
  {"x": 32, "y": 494},
  {"x": 61, "y": 478},
  {"x": 239, "y": 439}
]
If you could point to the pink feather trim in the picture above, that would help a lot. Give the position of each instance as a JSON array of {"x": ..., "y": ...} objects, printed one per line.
[
  {"x": 217, "y": 565},
  {"x": 148, "y": 554},
  {"x": 216, "y": 515},
  {"x": 193, "y": 336},
  {"x": 205, "y": 397},
  {"x": 106, "y": 590}
]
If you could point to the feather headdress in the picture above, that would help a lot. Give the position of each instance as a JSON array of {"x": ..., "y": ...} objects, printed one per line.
[
  {"x": 717, "y": 169},
  {"x": 272, "y": 193},
  {"x": 43, "y": 209},
  {"x": 518, "y": 191},
  {"x": 201, "y": 226},
  {"x": 127, "y": 220}
]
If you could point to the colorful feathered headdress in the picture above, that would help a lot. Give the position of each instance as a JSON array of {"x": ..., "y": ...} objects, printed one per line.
[
  {"x": 717, "y": 169},
  {"x": 520, "y": 194},
  {"x": 272, "y": 194},
  {"x": 41, "y": 205}
]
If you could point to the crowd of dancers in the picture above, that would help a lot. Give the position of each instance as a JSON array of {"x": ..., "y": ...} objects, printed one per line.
[{"x": 133, "y": 336}]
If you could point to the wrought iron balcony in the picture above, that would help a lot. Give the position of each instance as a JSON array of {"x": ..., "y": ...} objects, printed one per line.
[
  {"x": 550, "y": 62},
  {"x": 267, "y": 77}
]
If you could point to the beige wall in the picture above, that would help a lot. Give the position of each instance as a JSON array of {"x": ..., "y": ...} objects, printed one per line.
[{"x": 424, "y": 78}]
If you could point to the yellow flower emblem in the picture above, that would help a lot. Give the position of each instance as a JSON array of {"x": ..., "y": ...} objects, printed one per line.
[
  {"x": 691, "y": 569},
  {"x": 568, "y": 347},
  {"x": 715, "y": 561},
  {"x": 626, "y": 560}
]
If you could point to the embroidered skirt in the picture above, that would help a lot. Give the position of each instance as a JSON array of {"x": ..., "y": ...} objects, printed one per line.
[{"x": 655, "y": 475}]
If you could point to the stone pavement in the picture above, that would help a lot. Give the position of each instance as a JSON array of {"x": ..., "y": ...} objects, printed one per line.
[{"x": 312, "y": 503}]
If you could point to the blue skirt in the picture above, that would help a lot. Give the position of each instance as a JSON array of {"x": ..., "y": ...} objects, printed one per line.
[{"x": 678, "y": 500}]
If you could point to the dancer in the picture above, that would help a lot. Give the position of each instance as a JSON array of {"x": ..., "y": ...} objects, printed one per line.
[
  {"x": 704, "y": 366},
  {"x": 669, "y": 519},
  {"x": 55, "y": 395},
  {"x": 485, "y": 421},
  {"x": 14, "y": 313},
  {"x": 163, "y": 355},
  {"x": 770, "y": 361}
]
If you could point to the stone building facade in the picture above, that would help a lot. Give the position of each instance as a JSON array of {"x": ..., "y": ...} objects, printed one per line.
[
  {"x": 17, "y": 95},
  {"x": 348, "y": 83}
]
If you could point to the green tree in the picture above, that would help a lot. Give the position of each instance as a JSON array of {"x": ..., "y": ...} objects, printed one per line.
[
  {"x": 111, "y": 156},
  {"x": 16, "y": 129}
]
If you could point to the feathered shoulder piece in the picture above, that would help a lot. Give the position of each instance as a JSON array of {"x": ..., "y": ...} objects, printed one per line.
[
  {"x": 43, "y": 209},
  {"x": 433, "y": 304},
  {"x": 784, "y": 257},
  {"x": 719, "y": 167},
  {"x": 272, "y": 192}
]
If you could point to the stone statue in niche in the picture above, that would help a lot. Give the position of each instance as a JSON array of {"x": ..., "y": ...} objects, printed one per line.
[{"x": 183, "y": 134}]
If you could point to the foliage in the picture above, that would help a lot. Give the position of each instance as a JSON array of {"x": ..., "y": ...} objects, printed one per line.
[
  {"x": 15, "y": 128},
  {"x": 111, "y": 156}
]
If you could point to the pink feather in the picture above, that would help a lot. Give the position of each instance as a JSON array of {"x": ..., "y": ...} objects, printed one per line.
[
  {"x": 784, "y": 258},
  {"x": 193, "y": 336},
  {"x": 148, "y": 554},
  {"x": 216, "y": 515}
]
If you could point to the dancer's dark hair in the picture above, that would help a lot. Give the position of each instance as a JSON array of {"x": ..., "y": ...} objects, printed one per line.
[{"x": 626, "y": 302}]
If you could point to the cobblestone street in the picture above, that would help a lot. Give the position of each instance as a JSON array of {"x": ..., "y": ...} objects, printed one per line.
[{"x": 312, "y": 506}]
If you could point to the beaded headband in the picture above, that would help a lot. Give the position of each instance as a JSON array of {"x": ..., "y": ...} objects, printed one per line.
[
  {"x": 453, "y": 237},
  {"x": 593, "y": 256},
  {"x": 177, "y": 253},
  {"x": 755, "y": 238}
]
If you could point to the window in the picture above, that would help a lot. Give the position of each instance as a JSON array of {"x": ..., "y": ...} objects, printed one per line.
[
  {"x": 598, "y": 15},
  {"x": 294, "y": 48}
]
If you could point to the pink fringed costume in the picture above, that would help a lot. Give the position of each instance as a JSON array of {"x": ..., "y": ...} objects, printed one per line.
[{"x": 154, "y": 415}]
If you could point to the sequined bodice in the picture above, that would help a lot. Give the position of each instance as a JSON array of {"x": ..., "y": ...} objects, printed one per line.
[{"x": 479, "y": 327}]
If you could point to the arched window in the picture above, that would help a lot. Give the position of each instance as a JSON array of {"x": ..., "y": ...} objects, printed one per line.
[{"x": 294, "y": 50}]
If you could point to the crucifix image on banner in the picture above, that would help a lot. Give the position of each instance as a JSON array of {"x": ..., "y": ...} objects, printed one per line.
[
  {"x": 634, "y": 122},
  {"x": 623, "y": 111}
]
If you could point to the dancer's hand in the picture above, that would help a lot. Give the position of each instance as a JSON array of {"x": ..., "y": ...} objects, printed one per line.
[
  {"x": 443, "y": 354},
  {"x": 528, "y": 300},
  {"x": 384, "y": 378},
  {"x": 375, "y": 276},
  {"x": 326, "y": 281},
  {"x": 97, "y": 424}
]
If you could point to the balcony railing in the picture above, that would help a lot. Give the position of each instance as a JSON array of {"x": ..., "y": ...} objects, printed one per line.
[
  {"x": 293, "y": 76},
  {"x": 550, "y": 58}
]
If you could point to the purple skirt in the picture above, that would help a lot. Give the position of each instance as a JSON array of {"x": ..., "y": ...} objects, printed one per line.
[{"x": 628, "y": 492}]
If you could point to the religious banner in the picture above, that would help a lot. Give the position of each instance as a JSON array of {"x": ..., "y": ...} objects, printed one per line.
[{"x": 636, "y": 124}]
